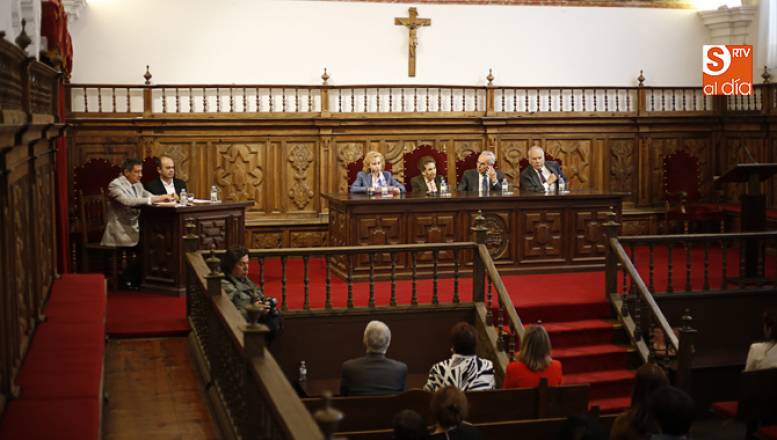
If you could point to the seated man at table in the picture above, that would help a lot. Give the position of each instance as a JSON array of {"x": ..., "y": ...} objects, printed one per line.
[
  {"x": 373, "y": 374},
  {"x": 428, "y": 181},
  {"x": 483, "y": 180},
  {"x": 122, "y": 229},
  {"x": 166, "y": 183},
  {"x": 373, "y": 178},
  {"x": 540, "y": 176}
]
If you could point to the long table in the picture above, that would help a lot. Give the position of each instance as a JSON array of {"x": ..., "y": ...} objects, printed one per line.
[{"x": 529, "y": 232}]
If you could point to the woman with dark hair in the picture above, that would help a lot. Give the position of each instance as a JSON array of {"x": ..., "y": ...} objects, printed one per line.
[
  {"x": 637, "y": 422},
  {"x": 243, "y": 292},
  {"x": 534, "y": 361},
  {"x": 464, "y": 370},
  {"x": 409, "y": 425},
  {"x": 763, "y": 355},
  {"x": 449, "y": 409}
]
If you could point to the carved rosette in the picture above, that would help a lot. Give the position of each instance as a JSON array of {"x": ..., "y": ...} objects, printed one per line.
[
  {"x": 239, "y": 172},
  {"x": 300, "y": 157},
  {"x": 497, "y": 237}
]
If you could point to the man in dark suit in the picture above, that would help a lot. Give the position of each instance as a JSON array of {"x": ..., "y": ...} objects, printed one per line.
[
  {"x": 428, "y": 181},
  {"x": 166, "y": 183},
  {"x": 483, "y": 180},
  {"x": 540, "y": 176},
  {"x": 373, "y": 374}
]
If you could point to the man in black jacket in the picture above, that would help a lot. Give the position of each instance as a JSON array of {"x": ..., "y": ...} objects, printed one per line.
[
  {"x": 483, "y": 180},
  {"x": 166, "y": 183},
  {"x": 373, "y": 374},
  {"x": 540, "y": 176}
]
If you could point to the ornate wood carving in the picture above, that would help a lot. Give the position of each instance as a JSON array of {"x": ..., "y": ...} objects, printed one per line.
[
  {"x": 576, "y": 157},
  {"x": 265, "y": 240},
  {"x": 371, "y": 230},
  {"x": 588, "y": 237},
  {"x": 542, "y": 239},
  {"x": 303, "y": 239},
  {"x": 433, "y": 228},
  {"x": 498, "y": 237},
  {"x": 240, "y": 172},
  {"x": 346, "y": 153},
  {"x": 302, "y": 175},
  {"x": 622, "y": 166},
  {"x": 512, "y": 151}
]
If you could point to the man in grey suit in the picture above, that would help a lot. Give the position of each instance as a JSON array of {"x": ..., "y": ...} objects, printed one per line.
[
  {"x": 373, "y": 374},
  {"x": 483, "y": 180},
  {"x": 126, "y": 195},
  {"x": 540, "y": 175}
]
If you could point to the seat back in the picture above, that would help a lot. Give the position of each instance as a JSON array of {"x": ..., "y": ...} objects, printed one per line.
[
  {"x": 358, "y": 165},
  {"x": 682, "y": 175},
  {"x": 149, "y": 170},
  {"x": 523, "y": 163},
  {"x": 93, "y": 176},
  {"x": 412, "y": 161},
  {"x": 469, "y": 162},
  {"x": 91, "y": 217}
]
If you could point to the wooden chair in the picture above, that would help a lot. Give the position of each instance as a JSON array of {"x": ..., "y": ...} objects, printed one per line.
[
  {"x": 91, "y": 226},
  {"x": 149, "y": 170},
  {"x": 682, "y": 182},
  {"x": 358, "y": 165},
  {"x": 411, "y": 162}
]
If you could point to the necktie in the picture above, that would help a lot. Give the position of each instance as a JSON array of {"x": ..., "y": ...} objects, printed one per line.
[
  {"x": 432, "y": 187},
  {"x": 484, "y": 185},
  {"x": 542, "y": 176}
]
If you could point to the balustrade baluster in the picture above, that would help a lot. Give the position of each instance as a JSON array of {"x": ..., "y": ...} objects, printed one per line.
[
  {"x": 742, "y": 267},
  {"x": 489, "y": 310},
  {"x": 538, "y": 101},
  {"x": 415, "y": 99},
  {"x": 86, "y": 101},
  {"x": 435, "y": 297},
  {"x": 463, "y": 100},
  {"x": 427, "y": 100},
  {"x": 606, "y": 106},
  {"x": 684, "y": 91},
  {"x": 371, "y": 302},
  {"x": 455, "y": 276},
  {"x": 364, "y": 102},
  {"x": 349, "y": 280},
  {"x": 628, "y": 100},
  {"x": 652, "y": 100},
  {"x": 706, "y": 266},
  {"x": 550, "y": 100},
  {"x": 724, "y": 255},
  {"x": 502, "y": 99},
  {"x": 515, "y": 100},
  {"x": 113, "y": 99},
  {"x": 637, "y": 315},
  {"x": 393, "y": 301},
  {"x": 306, "y": 282},
  {"x": 270, "y": 99},
  {"x": 353, "y": 100},
  {"x": 617, "y": 100},
  {"x": 100, "y": 99},
  {"x": 402, "y": 99},
  {"x": 261, "y": 274},
  {"x": 218, "y": 100},
  {"x": 688, "y": 286},
  {"x": 377, "y": 100},
  {"x": 283, "y": 282},
  {"x": 663, "y": 100},
  {"x": 231, "y": 100},
  {"x": 488, "y": 288},
  {"x": 204, "y": 100},
  {"x": 674, "y": 100},
  {"x": 310, "y": 100},
  {"x": 127, "y": 104},
  {"x": 669, "y": 288},
  {"x": 296, "y": 100},
  {"x": 339, "y": 100},
  {"x": 284, "y": 100},
  {"x": 572, "y": 95},
  {"x": 526, "y": 101},
  {"x": 500, "y": 324},
  {"x": 633, "y": 256},
  {"x": 439, "y": 99},
  {"x": 328, "y": 301},
  {"x": 245, "y": 100},
  {"x": 594, "y": 91},
  {"x": 414, "y": 292},
  {"x": 391, "y": 100},
  {"x": 258, "y": 101},
  {"x": 164, "y": 101},
  {"x": 191, "y": 100},
  {"x": 693, "y": 96},
  {"x": 651, "y": 267}
]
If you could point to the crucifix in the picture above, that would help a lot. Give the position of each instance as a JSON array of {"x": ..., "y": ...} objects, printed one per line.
[{"x": 412, "y": 22}]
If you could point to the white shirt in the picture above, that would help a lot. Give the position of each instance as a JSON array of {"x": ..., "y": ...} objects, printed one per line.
[
  {"x": 762, "y": 355},
  {"x": 169, "y": 188}
]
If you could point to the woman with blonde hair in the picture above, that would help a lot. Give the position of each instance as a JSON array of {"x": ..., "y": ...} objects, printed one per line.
[
  {"x": 534, "y": 362},
  {"x": 373, "y": 178}
]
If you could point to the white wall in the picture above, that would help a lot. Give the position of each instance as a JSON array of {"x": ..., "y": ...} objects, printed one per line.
[{"x": 289, "y": 42}]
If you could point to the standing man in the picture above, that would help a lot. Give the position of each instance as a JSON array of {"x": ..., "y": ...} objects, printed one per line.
[
  {"x": 122, "y": 229},
  {"x": 485, "y": 179},
  {"x": 540, "y": 175},
  {"x": 166, "y": 183},
  {"x": 373, "y": 374},
  {"x": 428, "y": 181}
]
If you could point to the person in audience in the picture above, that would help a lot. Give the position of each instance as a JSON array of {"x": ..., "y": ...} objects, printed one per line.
[
  {"x": 582, "y": 427},
  {"x": 540, "y": 175},
  {"x": 464, "y": 370},
  {"x": 428, "y": 181},
  {"x": 373, "y": 178},
  {"x": 485, "y": 178},
  {"x": 674, "y": 411},
  {"x": 373, "y": 374},
  {"x": 166, "y": 183},
  {"x": 243, "y": 292},
  {"x": 637, "y": 423},
  {"x": 763, "y": 355},
  {"x": 449, "y": 409},
  {"x": 534, "y": 362},
  {"x": 122, "y": 227},
  {"x": 409, "y": 425}
]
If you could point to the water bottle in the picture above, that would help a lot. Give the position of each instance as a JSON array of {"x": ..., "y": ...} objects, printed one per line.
[
  {"x": 505, "y": 186},
  {"x": 443, "y": 186},
  {"x": 214, "y": 193},
  {"x": 562, "y": 184},
  {"x": 383, "y": 187},
  {"x": 303, "y": 371},
  {"x": 184, "y": 197}
]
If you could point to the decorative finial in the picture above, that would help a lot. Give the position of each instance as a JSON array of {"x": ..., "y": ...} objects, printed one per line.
[
  {"x": 325, "y": 76},
  {"x": 253, "y": 312},
  {"x": 328, "y": 417},
  {"x": 23, "y": 40},
  {"x": 147, "y": 75},
  {"x": 766, "y": 76},
  {"x": 641, "y": 79},
  {"x": 687, "y": 319},
  {"x": 490, "y": 77}
]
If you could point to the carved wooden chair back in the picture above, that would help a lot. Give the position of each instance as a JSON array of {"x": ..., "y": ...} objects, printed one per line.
[{"x": 412, "y": 162}]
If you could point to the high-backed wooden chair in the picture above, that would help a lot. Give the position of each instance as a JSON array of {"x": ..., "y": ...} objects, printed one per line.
[
  {"x": 358, "y": 165},
  {"x": 469, "y": 162},
  {"x": 149, "y": 170},
  {"x": 94, "y": 175},
  {"x": 412, "y": 160},
  {"x": 682, "y": 182},
  {"x": 523, "y": 163},
  {"x": 91, "y": 226}
]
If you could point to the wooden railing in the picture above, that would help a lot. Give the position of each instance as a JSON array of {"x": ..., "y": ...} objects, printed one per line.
[{"x": 327, "y": 100}]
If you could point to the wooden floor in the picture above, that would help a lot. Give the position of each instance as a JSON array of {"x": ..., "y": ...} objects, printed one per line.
[{"x": 154, "y": 392}]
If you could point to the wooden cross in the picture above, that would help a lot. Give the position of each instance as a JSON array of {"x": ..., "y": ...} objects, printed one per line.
[{"x": 412, "y": 22}]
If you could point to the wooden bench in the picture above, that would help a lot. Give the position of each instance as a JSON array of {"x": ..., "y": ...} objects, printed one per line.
[
  {"x": 61, "y": 377},
  {"x": 364, "y": 413},
  {"x": 756, "y": 399}
]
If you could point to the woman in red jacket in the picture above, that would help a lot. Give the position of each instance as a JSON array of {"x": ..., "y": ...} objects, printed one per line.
[{"x": 533, "y": 362}]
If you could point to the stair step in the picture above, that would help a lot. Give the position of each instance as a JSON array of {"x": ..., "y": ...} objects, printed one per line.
[
  {"x": 589, "y": 358},
  {"x": 565, "y": 312},
  {"x": 585, "y": 332},
  {"x": 605, "y": 384},
  {"x": 611, "y": 405}
]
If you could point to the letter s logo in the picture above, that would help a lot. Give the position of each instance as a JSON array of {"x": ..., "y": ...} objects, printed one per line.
[{"x": 717, "y": 60}]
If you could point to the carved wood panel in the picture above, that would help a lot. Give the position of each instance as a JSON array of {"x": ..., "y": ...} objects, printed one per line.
[
  {"x": 589, "y": 240},
  {"x": 660, "y": 147},
  {"x": 498, "y": 236},
  {"x": 265, "y": 240},
  {"x": 239, "y": 172},
  {"x": 622, "y": 167},
  {"x": 542, "y": 239},
  {"x": 386, "y": 229},
  {"x": 159, "y": 258},
  {"x": 212, "y": 232},
  {"x": 511, "y": 152},
  {"x": 304, "y": 239},
  {"x": 433, "y": 228},
  {"x": 575, "y": 154},
  {"x": 301, "y": 176}
]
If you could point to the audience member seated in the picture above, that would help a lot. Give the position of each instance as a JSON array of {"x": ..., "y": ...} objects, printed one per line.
[
  {"x": 763, "y": 355},
  {"x": 449, "y": 409},
  {"x": 428, "y": 181},
  {"x": 373, "y": 374},
  {"x": 673, "y": 410},
  {"x": 637, "y": 423},
  {"x": 485, "y": 178},
  {"x": 166, "y": 183},
  {"x": 122, "y": 227},
  {"x": 582, "y": 427},
  {"x": 534, "y": 362},
  {"x": 464, "y": 370},
  {"x": 541, "y": 175},
  {"x": 373, "y": 178},
  {"x": 243, "y": 292},
  {"x": 409, "y": 425}
]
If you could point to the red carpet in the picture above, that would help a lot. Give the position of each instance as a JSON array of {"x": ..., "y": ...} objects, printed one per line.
[{"x": 137, "y": 314}]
